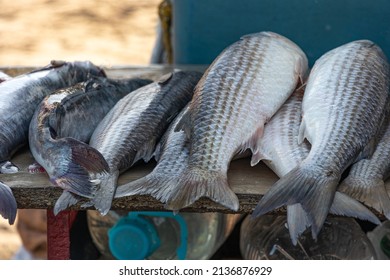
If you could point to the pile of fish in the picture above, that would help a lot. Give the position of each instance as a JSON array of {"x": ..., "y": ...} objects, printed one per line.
[{"x": 311, "y": 127}]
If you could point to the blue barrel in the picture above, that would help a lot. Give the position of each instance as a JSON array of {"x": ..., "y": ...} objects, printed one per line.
[{"x": 203, "y": 28}]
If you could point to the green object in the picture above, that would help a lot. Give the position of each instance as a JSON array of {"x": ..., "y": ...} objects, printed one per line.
[{"x": 202, "y": 29}]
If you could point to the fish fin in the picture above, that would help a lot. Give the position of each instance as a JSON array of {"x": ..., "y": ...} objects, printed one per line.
[
  {"x": 157, "y": 151},
  {"x": 185, "y": 124},
  {"x": 52, "y": 65},
  {"x": 302, "y": 132},
  {"x": 146, "y": 152},
  {"x": 302, "y": 185},
  {"x": 158, "y": 186},
  {"x": 368, "y": 150},
  {"x": 196, "y": 183},
  {"x": 7, "y": 167},
  {"x": 344, "y": 205},
  {"x": 370, "y": 192},
  {"x": 260, "y": 155},
  {"x": 253, "y": 143},
  {"x": 82, "y": 160},
  {"x": 65, "y": 200},
  {"x": 86, "y": 156},
  {"x": 105, "y": 193},
  {"x": 164, "y": 79},
  {"x": 297, "y": 221},
  {"x": 8, "y": 206}
]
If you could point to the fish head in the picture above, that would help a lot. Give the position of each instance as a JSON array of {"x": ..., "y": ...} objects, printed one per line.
[{"x": 82, "y": 67}]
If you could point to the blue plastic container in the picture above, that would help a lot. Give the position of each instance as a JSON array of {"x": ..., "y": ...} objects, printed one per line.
[{"x": 202, "y": 29}]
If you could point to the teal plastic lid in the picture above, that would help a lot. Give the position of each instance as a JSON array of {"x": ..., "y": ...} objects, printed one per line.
[{"x": 133, "y": 238}]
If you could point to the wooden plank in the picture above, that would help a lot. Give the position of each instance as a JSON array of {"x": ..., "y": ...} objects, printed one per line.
[{"x": 36, "y": 191}]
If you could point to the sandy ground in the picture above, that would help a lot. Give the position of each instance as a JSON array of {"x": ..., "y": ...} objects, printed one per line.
[{"x": 108, "y": 33}]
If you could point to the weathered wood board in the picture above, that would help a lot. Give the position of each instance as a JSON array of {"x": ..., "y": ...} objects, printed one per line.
[{"x": 36, "y": 191}]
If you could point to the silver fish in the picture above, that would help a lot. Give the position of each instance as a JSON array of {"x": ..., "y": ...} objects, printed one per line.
[
  {"x": 8, "y": 204},
  {"x": 131, "y": 129},
  {"x": 65, "y": 120},
  {"x": 343, "y": 107},
  {"x": 366, "y": 178},
  {"x": 19, "y": 98},
  {"x": 245, "y": 85},
  {"x": 4, "y": 77},
  {"x": 282, "y": 153},
  {"x": 172, "y": 156},
  {"x": 7, "y": 200}
]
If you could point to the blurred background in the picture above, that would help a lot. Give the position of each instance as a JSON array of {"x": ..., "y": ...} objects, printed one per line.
[
  {"x": 33, "y": 32},
  {"x": 108, "y": 33}
]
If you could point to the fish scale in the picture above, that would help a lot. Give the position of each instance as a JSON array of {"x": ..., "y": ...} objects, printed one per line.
[
  {"x": 19, "y": 97},
  {"x": 333, "y": 133},
  {"x": 282, "y": 153},
  {"x": 222, "y": 114},
  {"x": 365, "y": 180},
  {"x": 130, "y": 130},
  {"x": 65, "y": 120},
  {"x": 220, "y": 121},
  {"x": 343, "y": 107},
  {"x": 244, "y": 86}
]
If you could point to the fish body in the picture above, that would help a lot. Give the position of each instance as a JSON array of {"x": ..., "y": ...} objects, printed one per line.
[
  {"x": 342, "y": 108},
  {"x": 245, "y": 85},
  {"x": 8, "y": 206},
  {"x": 65, "y": 120},
  {"x": 132, "y": 128},
  {"x": 282, "y": 153},
  {"x": 20, "y": 96},
  {"x": 366, "y": 178},
  {"x": 4, "y": 77},
  {"x": 172, "y": 158}
]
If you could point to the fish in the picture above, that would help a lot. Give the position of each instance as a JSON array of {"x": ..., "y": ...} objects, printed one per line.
[
  {"x": 8, "y": 205},
  {"x": 240, "y": 91},
  {"x": 366, "y": 178},
  {"x": 19, "y": 98},
  {"x": 130, "y": 131},
  {"x": 171, "y": 154},
  {"x": 4, "y": 77},
  {"x": 342, "y": 109},
  {"x": 64, "y": 122},
  {"x": 281, "y": 153}
]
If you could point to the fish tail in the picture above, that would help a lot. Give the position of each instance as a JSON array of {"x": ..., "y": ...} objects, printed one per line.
[
  {"x": 297, "y": 221},
  {"x": 83, "y": 160},
  {"x": 65, "y": 200},
  {"x": 8, "y": 205},
  {"x": 371, "y": 192},
  {"x": 344, "y": 205},
  {"x": 303, "y": 185},
  {"x": 156, "y": 185},
  {"x": 104, "y": 194},
  {"x": 196, "y": 183}
]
